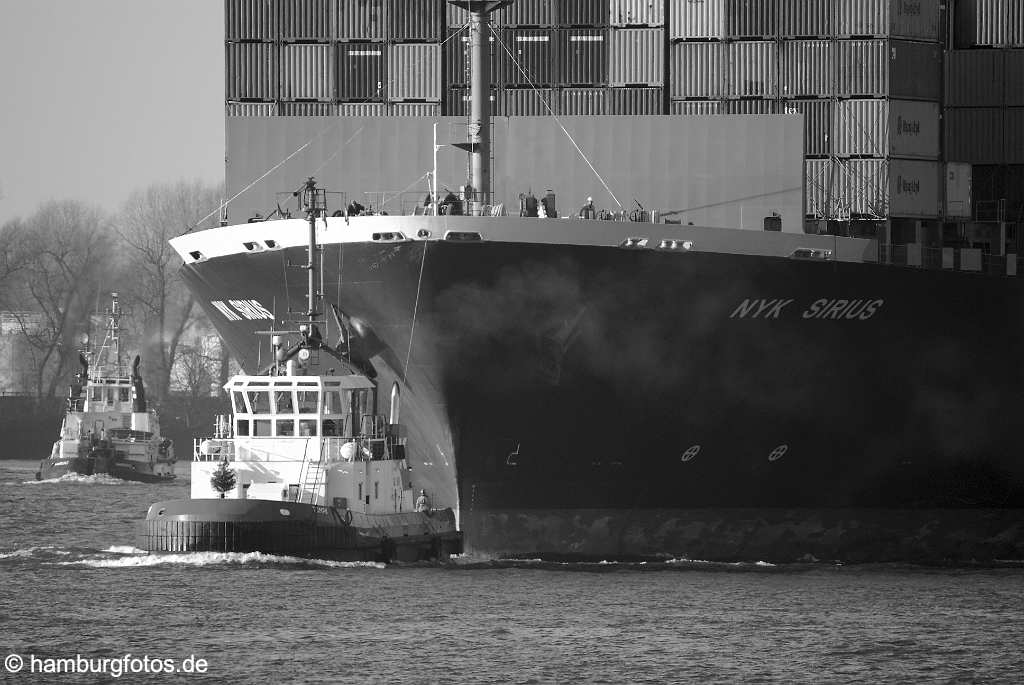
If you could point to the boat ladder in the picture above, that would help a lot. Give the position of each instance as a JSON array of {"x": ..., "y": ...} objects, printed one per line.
[{"x": 311, "y": 474}]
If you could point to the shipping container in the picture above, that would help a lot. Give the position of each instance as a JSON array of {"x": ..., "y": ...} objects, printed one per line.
[
  {"x": 754, "y": 107},
  {"x": 958, "y": 190},
  {"x": 362, "y": 109},
  {"x": 1013, "y": 85},
  {"x": 807, "y": 68},
  {"x": 414, "y": 20},
  {"x": 975, "y": 135},
  {"x": 583, "y": 56},
  {"x": 527, "y": 13},
  {"x": 456, "y": 102},
  {"x": 636, "y": 56},
  {"x": 989, "y": 23},
  {"x": 867, "y": 185},
  {"x": 250, "y": 71},
  {"x": 456, "y": 17},
  {"x": 804, "y": 18},
  {"x": 307, "y": 71},
  {"x": 531, "y": 54},
  {"x": 889, "y": 68},
  {"x": 696, "y": 71},
  {"x": 634, "y": 101},
  {"x": 582, "y": 12},
  {"x": 457, "y": 62},
  {"x": 690, "y": 20},
  {"x": 414, "y": 72},
  {"x": 414, "y": 109},
  {"x": 975, "y": 78},
  {"x": 637, "y": 13},
  {"x": 826, "y": 191},
  {"x": 306, "y": 19},
  {"x": 308, "y": 109},
  {"x": 818, "y": 121},
  {"x": 754, "y": 19},
  {"x": 527, "y": 102},
  {"x": 752, "y": 67},
  {"x": 1013, "y": 127},
  {"x": 913, "y": 19},
  {"x": 913, "y": 187},
  {"x": 694, "y": 107},
  {"x": 360, "y": 20},
  {"x": 362, "y": 70},
  {"x": 250, "y": 109},
  {"x": 886, "y": 128},
  {"x": 250, "y": 20},
  {"x": 582, "y": 101}
]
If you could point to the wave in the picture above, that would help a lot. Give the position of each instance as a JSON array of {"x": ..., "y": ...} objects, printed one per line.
[
  {"x": 130, "y": 557},
  {"x": 44, "y": 550},
  {"x": 95, "y": 479}
]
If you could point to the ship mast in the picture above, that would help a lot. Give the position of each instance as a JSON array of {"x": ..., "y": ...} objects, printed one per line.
[{"x": 479, "y": 139}]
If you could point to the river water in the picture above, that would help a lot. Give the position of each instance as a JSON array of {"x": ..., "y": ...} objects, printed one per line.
[{"x": 73, "y": 587}]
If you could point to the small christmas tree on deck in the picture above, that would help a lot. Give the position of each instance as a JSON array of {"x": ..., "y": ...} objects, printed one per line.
[{"x": 223, "y": 479}]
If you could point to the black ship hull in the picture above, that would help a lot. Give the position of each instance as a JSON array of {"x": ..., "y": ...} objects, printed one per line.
[{"x": 611, "y": 403}]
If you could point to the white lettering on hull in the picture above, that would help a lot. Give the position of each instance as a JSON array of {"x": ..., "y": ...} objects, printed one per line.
[
  {"x": 822, "y": 308},
  {"x": 236, "y": 310}
]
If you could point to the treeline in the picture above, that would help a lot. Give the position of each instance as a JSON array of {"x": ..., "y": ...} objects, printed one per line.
[{"x": 59, "y": 266}]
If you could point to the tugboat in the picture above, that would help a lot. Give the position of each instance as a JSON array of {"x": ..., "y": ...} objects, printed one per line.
[
  {"x": 107, "y": 428},
  {"x": 306, "y": 465}
]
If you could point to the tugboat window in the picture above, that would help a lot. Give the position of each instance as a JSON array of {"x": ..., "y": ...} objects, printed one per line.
[
  {"x": 238, "y": 402},
  {"x": 242, "y": 427},
  {"x": 259, "y": 401},
  {"x": 307, "y": 427},
  {"x": 306, "y": 400},
  {"x": 261, "y": 428},
  {"x": 285, "y": 427},
  {"x": 125, "y": 394},
  {"x": 283, "y": 403},
  {"x": 97, "y": 394},
  {"x": 330, "y": 427}
]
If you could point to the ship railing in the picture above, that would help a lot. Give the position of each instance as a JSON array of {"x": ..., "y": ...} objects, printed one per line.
[{"x": 213, "y": 449}]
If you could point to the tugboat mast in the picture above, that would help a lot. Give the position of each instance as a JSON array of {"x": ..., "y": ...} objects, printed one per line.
[
  {"x": 479, "y": 143},
  {"x": 314, "y": 203}
]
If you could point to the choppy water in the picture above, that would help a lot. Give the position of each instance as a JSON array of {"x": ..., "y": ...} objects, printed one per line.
[{"x": 71, "y": 584}]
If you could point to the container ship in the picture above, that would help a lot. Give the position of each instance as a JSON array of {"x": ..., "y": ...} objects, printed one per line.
[{"x": 797, "y": 356}]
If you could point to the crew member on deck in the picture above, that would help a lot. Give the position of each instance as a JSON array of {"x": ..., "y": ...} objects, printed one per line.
[
  {"x": 587, "y": 210},
  {"x": 422, "y": 502}
]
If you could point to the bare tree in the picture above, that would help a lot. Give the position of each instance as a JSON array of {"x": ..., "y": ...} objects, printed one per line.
[
  {"x": 63, "y": 249},
  {"x": 13, "y": 253},
  {"x": 193, "y": 377},
  {"x": 163, "y": 307}
]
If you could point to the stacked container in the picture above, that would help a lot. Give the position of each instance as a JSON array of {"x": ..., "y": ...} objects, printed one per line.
[
  {"x": 251, "y": 57},
  {"x": 984, "y": 116},
  {"x": 573, "y": 57},
  {"x": 865, "y": 75}
]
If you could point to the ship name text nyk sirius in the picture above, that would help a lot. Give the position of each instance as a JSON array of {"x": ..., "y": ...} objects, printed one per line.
[{"x": 616, "y": 389}]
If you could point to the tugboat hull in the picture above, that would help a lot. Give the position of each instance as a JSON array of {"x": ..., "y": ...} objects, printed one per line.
[
  {"x": 297, "y": 529},
  {"x": 98, "y": 463}
]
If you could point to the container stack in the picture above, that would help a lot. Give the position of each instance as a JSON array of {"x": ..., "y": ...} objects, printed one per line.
[
  {"x": 306, "y": 68},
  {"x": 331, "y": 57},
  {"x": 571, "y": 57},
  {"x": 251, "y": 58},
  {"x": 864, "y": 73},
  {"x": 413, "y": 56},
  {"x": 984, "y": 111}
]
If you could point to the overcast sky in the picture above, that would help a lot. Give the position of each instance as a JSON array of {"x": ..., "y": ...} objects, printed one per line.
[{"x": 103, "y": 97}]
